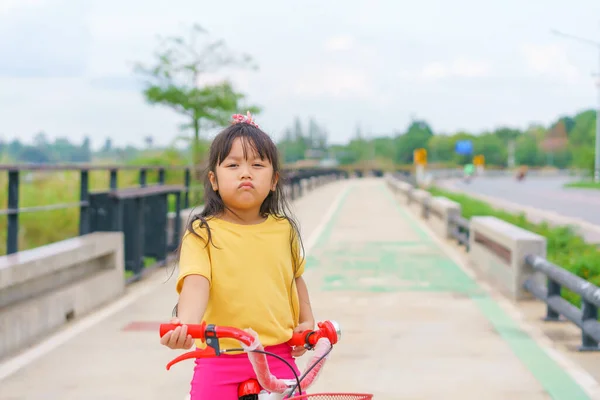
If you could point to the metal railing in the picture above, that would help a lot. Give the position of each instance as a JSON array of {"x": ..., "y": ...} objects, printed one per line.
[
  {"x": 13, "y": 209},
  {"x": 585, "y": 317},
  {"x": 460, "y": 229},
  {"x": 291, "y": 177},
  {"x": 459, "y": 225}
]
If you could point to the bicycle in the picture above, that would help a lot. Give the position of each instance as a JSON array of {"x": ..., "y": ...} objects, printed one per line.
[{"x": 266, "y": 386}]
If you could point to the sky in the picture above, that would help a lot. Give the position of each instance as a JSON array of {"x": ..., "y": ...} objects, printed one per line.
[{"x": 66, "y": 66}]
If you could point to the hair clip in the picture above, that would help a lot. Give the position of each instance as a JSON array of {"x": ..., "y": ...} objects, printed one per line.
[{"x": 239, "y": 118}]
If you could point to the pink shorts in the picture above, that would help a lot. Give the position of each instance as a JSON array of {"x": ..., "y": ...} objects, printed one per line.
[{"x": 219, "y": 377}]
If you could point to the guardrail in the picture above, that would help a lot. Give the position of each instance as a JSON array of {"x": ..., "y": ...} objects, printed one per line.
[
  {"x": 291, "y": 177},
  {"x": 13, "y": 209},
  {"x": 460, "y": 230},
  {"x": 458, "y": 227},
  {"x": 586, "y": 317},
  {"x": 513, "y": 259}
]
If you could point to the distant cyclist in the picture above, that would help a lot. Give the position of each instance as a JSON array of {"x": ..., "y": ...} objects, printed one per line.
[
  {"x": 468, "y": 172},
  {"x": 521, "y": 172}
]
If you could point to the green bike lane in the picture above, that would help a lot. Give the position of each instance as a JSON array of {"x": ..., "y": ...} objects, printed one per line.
[{"x": 415, "y": 325}]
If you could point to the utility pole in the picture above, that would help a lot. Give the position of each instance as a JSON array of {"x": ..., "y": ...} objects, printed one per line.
[
  {"x": 511, "y": 153},
  {"x": 596, "y": 74},
  {"x": 597, "y": 159}
]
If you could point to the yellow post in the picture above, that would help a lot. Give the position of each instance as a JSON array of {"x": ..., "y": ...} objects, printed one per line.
[
  {"x": 420, "y": 156},
  {"x": 479, "y": 161}
]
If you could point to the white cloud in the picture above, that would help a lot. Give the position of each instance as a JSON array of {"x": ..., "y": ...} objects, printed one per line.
[
  {"x": 372, "y": 62},
  {"x": 333, "y": 81},
  {"x": 65, "y": 107},
  {"x": 550, "y": 61},
  {"x": 47, "y": 38},
  {"x": 10, "y": 5},
  {"x": 435, "y": 71},
  {"x": 463, "y": 68},
  {"x": 339, "y": 43}
]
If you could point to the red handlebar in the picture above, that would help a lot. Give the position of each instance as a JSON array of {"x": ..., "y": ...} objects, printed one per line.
[
  {"x": 326, "y": 329},
  {"x": 197, "y": 331},
  {"x": 204, "y": 332}
]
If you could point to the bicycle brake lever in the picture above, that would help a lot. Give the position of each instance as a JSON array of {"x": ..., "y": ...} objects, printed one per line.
[
  {"x": 212, "y": 348},
  {"x": 204, "y": 353}
]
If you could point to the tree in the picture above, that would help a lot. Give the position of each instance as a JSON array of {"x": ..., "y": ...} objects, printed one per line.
[
  {"x": 507, "y": 134},
  {"x": 107, "y": 147},
  {"x": 40, "y": 140},
  {"x": 527, "y": 151},
  {"x": 416, "y": 136},
  {"x": 441, "y": 148},
  {"x": 556, "y": 138},
  {"x": 492, "y": 147},
  {"x": 174, "y": 82}
]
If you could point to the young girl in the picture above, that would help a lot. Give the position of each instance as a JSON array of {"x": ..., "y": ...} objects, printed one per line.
[{"x": 240, "y": 263}]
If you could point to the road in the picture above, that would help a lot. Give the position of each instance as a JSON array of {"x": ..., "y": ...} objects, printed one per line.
[{"x": 545, "y": 193}]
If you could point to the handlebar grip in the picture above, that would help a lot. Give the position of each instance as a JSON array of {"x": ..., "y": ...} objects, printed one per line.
[
  {"x": 326, "y": 329},
  {"x": 197, "y": 331},
  {"x": 298, "y": 339}
]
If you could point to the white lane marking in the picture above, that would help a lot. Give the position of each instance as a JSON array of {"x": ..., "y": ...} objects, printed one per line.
[{"x": 316, "y": 233}]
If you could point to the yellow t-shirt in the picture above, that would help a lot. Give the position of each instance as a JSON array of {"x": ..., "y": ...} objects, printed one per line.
[{"x": 251, "y": 273}]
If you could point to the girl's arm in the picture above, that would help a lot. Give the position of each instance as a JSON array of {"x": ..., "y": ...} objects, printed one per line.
[
  {"x": 193, "y": 299},
  {"x": 307, "y": 319}
]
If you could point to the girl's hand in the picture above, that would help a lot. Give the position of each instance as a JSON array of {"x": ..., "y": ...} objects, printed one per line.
[
  {"x": 177, "y": 338},
  {"x": 298, "y": 351}
]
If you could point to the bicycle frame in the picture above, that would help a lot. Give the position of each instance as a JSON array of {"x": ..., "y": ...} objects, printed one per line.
[{"x": 266, "y": 386}]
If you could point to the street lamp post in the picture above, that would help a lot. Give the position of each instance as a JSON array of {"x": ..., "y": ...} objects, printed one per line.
[{"x": 597, "y": 74}]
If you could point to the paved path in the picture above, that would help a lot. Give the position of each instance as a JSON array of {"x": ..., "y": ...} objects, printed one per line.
[{"x": 415, "y": 325}]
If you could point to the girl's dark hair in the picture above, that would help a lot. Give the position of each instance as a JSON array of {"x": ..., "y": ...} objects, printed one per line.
[{"x": 275, "y": 204}]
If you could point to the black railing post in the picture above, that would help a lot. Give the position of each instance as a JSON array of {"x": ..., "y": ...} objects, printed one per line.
[
  {"x": 177, "y": 225},
  {"x": 589, "y": 312},
  {"x": 138, "y": 232},
  {"x": 553, "y": 290},
  {"x": 187, "y": 183},
  {"x": 143, "y": 175},
  {"x": 161, "y": 176},
  {"x": 113, "y": 179},
  {"x": 293, "y": 185},
  {"x": 12, "y": 238},
  {"x": 84, "y": 196}
]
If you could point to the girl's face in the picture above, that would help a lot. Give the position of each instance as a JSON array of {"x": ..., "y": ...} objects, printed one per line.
[{"x": 243, "y": 182}]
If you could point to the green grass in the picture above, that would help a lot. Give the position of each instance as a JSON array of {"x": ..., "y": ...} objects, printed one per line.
[
  {"x": 564, "y": 247},
  {"x": 148, "y": 262},
  {"x": 583, "y": 185}
]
